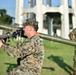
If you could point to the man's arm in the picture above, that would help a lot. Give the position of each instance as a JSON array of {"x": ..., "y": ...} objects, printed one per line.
[
  {"x": 1, "y": 43},
  {"x": 71, "y": 37}
]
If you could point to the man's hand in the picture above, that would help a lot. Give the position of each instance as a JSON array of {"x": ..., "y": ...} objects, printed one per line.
[
  {"x": 71, "y": 37},
  {"x": 1, "y": 43}
]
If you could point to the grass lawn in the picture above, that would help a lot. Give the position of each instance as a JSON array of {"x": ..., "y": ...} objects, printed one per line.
[{"x": 58, "y": 60}]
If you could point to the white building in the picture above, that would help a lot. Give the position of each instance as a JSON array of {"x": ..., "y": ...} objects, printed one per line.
[{"x": 38, "y": 8}]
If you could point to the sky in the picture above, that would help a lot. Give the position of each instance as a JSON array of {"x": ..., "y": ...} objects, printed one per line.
[{"x": 9, "y": 5}]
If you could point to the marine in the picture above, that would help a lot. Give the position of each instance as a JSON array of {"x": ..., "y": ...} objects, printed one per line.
[
  {"x": 72, "y": 36},
  {"x": 31, "y": 52}
]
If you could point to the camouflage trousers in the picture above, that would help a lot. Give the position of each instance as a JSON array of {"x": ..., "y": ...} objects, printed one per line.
[
  {"x": 22, "y": 71},
  {"x": 74, "y": 65}
]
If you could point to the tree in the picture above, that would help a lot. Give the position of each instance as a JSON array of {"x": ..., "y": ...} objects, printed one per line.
[
  {"x": 2, "y": 12},
  {"x": 5, "y": 18}
]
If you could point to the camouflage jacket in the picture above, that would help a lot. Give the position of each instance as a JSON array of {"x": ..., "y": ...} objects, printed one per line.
[
  {"x": 31, "y": 52},
  {"x": 73, "y": 32}
]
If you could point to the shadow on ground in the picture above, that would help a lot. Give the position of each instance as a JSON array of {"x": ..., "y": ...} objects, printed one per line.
[
  {"x": 10, "y": 66},
  {"x": 60, "y": 62},
  {"x": 49, "y": 68},
  {"x": 57, "y": 59}
]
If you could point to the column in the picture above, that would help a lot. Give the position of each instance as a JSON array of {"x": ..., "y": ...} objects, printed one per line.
[
  {"x": 50, "y": 25},
  {"x": 39, "y": 15},
  {"x": 19, "y": 12},
  {"x": 74, "y": 13},
  {"x": 65, "y": 20}
]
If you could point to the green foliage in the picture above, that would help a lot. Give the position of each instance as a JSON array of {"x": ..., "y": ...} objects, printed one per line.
[
  {"x": 57, "y": 20},
  {"x": 2, "y": 12},
  {"x": 5, "y": 18}
]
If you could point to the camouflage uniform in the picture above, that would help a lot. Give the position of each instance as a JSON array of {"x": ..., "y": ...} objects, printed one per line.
[
  {"x": 73, "y": 32},
  {"x": 32, "y": 55}
]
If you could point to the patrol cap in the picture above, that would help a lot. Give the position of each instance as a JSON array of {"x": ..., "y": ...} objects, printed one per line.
[{"x": 31, "y": 23}]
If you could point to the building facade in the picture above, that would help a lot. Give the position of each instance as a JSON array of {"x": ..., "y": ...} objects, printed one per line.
[{"x": 39, "y": 9}]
